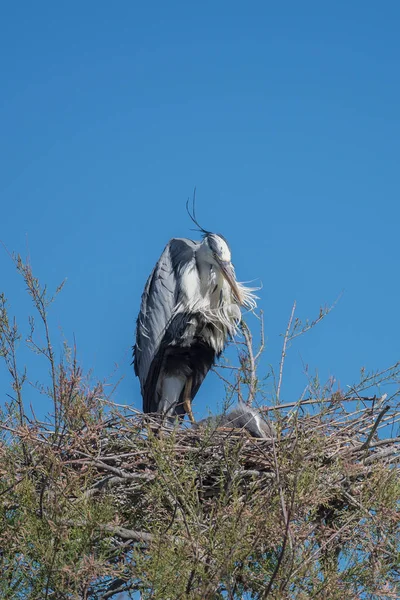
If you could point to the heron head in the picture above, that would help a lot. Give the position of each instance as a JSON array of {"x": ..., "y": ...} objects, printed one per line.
[
  {"x": 218, "y": 247},
  {"x": 219, "y": 256}
]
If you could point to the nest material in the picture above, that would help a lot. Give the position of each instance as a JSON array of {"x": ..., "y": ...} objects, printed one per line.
[
  {"x": 344, "y": 451},
  {"x": 325, "y": 485}
]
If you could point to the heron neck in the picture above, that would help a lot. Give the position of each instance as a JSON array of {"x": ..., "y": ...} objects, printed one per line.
[
  {"x": 203, "y": 267},
  {"x": 209, "y": 278}
]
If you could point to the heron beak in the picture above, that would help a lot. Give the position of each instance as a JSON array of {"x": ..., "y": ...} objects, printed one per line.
[{"x": 227, "y": 272}]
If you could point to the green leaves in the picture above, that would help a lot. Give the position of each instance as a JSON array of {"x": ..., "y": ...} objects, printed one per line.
[{"x": 96, "y": 500}]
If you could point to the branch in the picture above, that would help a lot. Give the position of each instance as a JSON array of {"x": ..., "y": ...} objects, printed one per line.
[
  {"x": 319, "y": 401},
  {"x": 118, "y": 586},
  {"x": 375, "y": 426},
  {"x": 252, "y": 368},
  {"x": 283, "y": 354},
  {"x": 262, "y": 341},
  {"x": 128, "y": 534}
]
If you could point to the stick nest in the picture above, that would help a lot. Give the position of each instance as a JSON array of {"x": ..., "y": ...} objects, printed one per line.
[{"x": 341, "y": 448}]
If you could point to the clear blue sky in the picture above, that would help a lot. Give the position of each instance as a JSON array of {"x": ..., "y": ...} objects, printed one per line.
[{"x": 284, "y": 115}]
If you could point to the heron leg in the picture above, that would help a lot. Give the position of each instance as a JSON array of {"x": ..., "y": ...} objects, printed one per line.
[{"x": 187, "y": 398}]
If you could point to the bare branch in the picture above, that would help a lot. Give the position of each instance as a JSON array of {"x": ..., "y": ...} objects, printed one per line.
[
  {"x": 250, "y": 369},
  {"x": 283, "y": 354}
]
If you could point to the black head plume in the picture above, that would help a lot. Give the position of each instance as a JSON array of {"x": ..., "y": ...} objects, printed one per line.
[{"x": 192, "y": 214}]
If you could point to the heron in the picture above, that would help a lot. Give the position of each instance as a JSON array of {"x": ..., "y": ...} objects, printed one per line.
[
  {"x": 241, "y": 417},
  {"x": 190, "y": 306}
]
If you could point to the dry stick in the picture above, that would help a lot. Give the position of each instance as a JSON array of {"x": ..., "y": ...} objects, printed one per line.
[
  {"x": 230, "y": 367},
  {"x": 128, "y": 534},
  {"x": 323, "y": 313},
  {"x": 389, "y": 419},
  {"x": 317, "y": 401},
  {"x": 380, "y": 455},
  {"x": 252, "y": 359},
  {"x": 384, "y": 374},
  {"x": 283, "y": 355},
  {"x": 395, "y": 440},
  {"x": 226, "y": 381},
  {"x": 374, "y": 428},
  {"x": 252, "y": 369},
  {"x": 121, "y": 532},
  {"x": 262, "y": 342},
  {"x": 124, "y": 587}
]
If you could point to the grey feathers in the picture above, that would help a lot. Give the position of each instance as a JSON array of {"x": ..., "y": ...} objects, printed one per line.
[
  {"x": 159, "y": 300},
  {"x": 190, "y": 305},
  {"x": 241, "y": 417}
]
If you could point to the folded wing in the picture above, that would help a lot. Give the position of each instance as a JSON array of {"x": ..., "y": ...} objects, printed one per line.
[{"x": 160, "y": 299}]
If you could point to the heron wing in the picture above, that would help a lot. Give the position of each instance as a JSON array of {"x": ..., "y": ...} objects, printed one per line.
[{"x": 160, "y": 298}]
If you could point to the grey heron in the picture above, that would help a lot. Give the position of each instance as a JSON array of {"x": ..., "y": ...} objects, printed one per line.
[
  {"x": 240, "y": 417},
  {"x": 190, "y": 306}
]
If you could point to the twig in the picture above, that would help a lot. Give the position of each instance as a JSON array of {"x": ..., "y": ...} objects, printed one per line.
[
  {"x": 283, "y": 354},
  {"x": 375, "y": 426},
  {"x": 262, "y": 335},
  {"x": 252, "y": 368},
  {"x": 128, "y": 534},
  {"x": 322, "y": 314},
  {"x": 317, "y": 401},
  {"x": 324, "y": 544}
]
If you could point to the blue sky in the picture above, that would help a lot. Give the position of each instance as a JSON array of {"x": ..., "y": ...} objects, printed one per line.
[{"x": 286, "y": 118}]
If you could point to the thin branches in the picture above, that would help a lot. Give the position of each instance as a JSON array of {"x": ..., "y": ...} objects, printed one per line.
[
  {"x": 185, "y": 497},
  {"x": 283, "y": 354},
  {"x": 251, "y": 368},
  {"x": 9, "y": 337},
  {"x": 295, "y": 328},
  {"x": 41, "y": 302},
  {"x": 375, "y": 426},
  {"x": 113, "y": 501}
]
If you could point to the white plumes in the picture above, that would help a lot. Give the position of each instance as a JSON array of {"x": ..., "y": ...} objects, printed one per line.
[
  {"x": 248, "y": 297},
  {"x": 207, "y": 292},
  {"x": 193, "y": 301}
]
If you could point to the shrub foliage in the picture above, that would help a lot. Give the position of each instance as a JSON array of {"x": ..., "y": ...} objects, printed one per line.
[{"x": 97, "y": 500}]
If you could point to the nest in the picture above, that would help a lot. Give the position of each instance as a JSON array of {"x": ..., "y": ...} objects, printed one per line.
[
  {"x": 342, "y": 448},
  {"x": 212, "y": 502}
]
